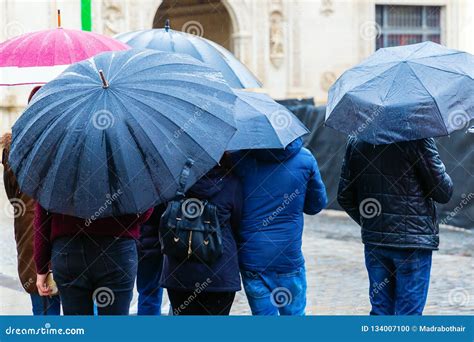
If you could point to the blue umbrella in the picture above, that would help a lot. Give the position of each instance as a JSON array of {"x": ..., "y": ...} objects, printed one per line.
[
  {"x": 96, "y": 143},
  {"x": 404, "y": 93},
  {"x": 235, "y": 73},
  {"x": 262, "y": 123}
]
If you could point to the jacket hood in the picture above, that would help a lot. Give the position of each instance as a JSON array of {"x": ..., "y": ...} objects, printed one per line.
[
  {"x": 208, "y": 185},
  {"x": 279, "y": 154}
]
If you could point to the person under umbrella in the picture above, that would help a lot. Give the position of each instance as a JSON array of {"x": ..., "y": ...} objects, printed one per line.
[
  {"x": 392, "y": 105},
  {"x": 23, "y": 209},
  {"x": 82, "y": 150},
  {"x": 280, "y": 181}
]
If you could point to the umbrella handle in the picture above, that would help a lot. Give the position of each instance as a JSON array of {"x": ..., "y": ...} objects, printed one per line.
[{"x": 105, "y": 84}]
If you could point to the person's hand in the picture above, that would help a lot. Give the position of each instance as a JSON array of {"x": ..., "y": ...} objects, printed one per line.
[{"x": 43, "y": 288}]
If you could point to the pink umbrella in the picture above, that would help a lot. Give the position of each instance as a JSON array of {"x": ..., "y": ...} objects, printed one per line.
[{"x": 38, "y": 57}]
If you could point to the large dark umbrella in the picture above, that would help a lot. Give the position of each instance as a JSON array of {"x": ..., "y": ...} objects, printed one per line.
[
  {"x": 404, "y": 93},
  {"x": 235, "y": 73},
  {"x": 93, "y": 147},
  {"x": 263, "y": 123}
]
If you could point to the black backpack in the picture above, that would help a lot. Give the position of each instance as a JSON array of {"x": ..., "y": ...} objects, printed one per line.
[{"x": 189, "y": 227}]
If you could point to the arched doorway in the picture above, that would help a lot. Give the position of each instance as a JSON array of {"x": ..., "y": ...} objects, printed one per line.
[{"x": 206, "y": 18}]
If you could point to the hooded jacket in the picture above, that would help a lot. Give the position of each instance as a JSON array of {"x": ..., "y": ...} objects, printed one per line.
[
  {"x": 391, "y": 190},
  {"x": 222, "y": 189},
  {"x": 278, "y": 186},
  {"x": 24, "y": 212}
]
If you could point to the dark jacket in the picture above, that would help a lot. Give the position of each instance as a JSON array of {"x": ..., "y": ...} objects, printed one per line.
[
  {"x": 149, "y": 240},
  {"x": 24, "y": 214},
  {"x": 223, "y": 190},
  {"x": 278, "y": 185},
  {"x": 390, "y": 190}
]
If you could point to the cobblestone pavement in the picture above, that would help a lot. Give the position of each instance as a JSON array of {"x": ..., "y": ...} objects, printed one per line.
[{"x": 337, "y": 279}]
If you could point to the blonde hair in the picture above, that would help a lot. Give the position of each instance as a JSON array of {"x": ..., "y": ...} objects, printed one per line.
[{"x": 6, "y": 140}]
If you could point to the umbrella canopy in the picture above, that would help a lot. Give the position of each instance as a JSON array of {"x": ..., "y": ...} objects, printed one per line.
[
  {"x": 404, "y": 93},
  {"x": 235, "y": 73},
  {"x": 38, "y": 57},
  {"x": 92, "y": 147},
  {"x": 263, "y": 123}
]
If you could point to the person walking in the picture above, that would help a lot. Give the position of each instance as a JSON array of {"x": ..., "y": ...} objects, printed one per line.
[
  {"x": 150, "y": 264},
  {"x": 23, "y": 214},
  {"x": 93, "y": 261},
  {"x": 278, "y": 187},
  {"x": 390, "y": 191},
  {"x": 199, "y": 288}
]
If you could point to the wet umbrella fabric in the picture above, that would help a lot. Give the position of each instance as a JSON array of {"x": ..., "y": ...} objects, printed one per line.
[
  {"x": 235, "y": 73},
  {"x": 404, "y": 93},
  {"x": 263, "y": 123},
  {"x": 94, "y": 149},
  {"x": 38, "y": 57}
]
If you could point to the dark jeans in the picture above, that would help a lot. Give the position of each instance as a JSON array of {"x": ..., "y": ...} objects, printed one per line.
[
  {"x": 150, "y": 293},
  {"x": 53, "y": 305},
  {"x": 399, "y": 279},
  {"x": 98, "y": 270},
  {"x": 203, "y": 303}
]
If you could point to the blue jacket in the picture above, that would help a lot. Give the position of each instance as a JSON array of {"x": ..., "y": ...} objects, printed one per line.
[
  {"x": 391, "y": 190},
  {"x": 278, "y": 186},
  {"x": 224, "y": 190}
]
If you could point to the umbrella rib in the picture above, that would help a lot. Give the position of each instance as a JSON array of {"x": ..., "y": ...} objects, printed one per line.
[
  {"x": 119, "y": 99},
  {"x": 26, "y": 41},
  {"x": 178, "y": 126},
  {"x": 443, "y": 70},
  {"x": 434, "y": 99},
  {"x": 181, "y": 100}
]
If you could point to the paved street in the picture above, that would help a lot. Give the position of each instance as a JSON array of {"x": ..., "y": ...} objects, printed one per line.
[{"x": 337, "y": 280}]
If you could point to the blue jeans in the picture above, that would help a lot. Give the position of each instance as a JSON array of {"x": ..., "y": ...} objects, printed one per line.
[
  {"x": 399, "y": 279},
  {"x": 150, "y": 293},
  {"x": 53, "y": 305},
  {"x": 95, "y": 270},
  {"x": 273, "y": 293}
]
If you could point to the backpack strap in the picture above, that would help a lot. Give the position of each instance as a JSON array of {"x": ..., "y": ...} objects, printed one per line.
[{"x": 183, "y": 178}]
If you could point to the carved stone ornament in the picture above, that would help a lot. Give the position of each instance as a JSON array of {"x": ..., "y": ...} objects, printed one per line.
[
  {"x": 277, "y": 48},
  {"x": 113, "y": 17},
  {"x": 326, "y": 7}
]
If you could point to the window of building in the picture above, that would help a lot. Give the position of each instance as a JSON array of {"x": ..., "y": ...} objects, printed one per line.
[{"x": 402, "y": 25}]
